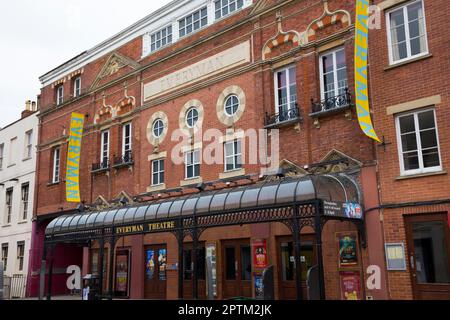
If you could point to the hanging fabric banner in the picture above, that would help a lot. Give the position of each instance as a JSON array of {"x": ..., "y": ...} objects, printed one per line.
[
  {"x": 73, "y": 158},
  {"x": 361, "y": 75}
]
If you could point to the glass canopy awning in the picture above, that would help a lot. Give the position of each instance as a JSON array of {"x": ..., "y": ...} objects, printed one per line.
[{"x": 330, "y": 188}]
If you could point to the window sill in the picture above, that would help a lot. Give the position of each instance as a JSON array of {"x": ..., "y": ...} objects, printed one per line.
[
  {"x": 191, "y": 181},
  {"x": 52, "y": 184},
  {"x": 26, "y": 159},
  {"x": 23, "y": 222},
  {"x": 7, "y": 225},
  {"x": 11, "y": 165},
  {"x": 399, "y": 64},
  {"x": 158, "y": 187},
  {"x": 422, "y": 175},
  {"x": 232, "y": 174}
]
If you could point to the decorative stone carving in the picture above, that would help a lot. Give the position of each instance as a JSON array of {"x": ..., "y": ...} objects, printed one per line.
[{"x": 281, "y": 38}]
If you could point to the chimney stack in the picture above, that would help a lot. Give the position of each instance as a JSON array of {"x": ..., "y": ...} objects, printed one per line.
[{"x": 29, "y": 108}]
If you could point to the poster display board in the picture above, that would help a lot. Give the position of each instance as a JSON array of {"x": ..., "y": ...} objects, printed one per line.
[
  {"x": 395, "y": 256},
  {"x": 122, "y": 273},
  {"x": 350, "y": 285},
  {"x": 260, "y": 258},
  {"x": 348, "y": 250},
  {"x": 211, "y": 271}
]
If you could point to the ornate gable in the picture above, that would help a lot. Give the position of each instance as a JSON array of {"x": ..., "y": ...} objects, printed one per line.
[
  {"x": 100, "y": 203},
  {"x": 334, "y": 162},
  {"x": 115, "y": 62}
]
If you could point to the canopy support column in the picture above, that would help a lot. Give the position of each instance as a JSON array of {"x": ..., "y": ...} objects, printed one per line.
[
  {"x": 50, "y": 271},
  {"x": 112, "y": 250},
  {"x": 297, "y": 254},
  {"x": 180, "y": 238},
  {"x": 42, "y": 273},
  {"x": 101, "y": 260},
  {"x": 318, "y": 229},
  {"x": 195, "y": 261}
]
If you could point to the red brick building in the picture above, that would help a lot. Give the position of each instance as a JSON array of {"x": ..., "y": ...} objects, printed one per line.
[
  {"x": 409, "y": 98},
  {"x": 235, "y": 66}
]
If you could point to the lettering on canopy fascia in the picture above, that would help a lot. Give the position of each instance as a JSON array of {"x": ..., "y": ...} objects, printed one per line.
[
  {"x": 222, "y": 61},
  {"x": 146, "y": 227}
]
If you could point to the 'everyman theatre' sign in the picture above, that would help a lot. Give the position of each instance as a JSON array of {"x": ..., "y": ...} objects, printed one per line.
[
  {"x": 73, "y": 158},
  {"x": 361, "y": 83}
]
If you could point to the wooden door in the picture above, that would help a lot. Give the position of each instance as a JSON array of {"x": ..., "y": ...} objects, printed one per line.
[
  {"x": 428, "y": 245},
  {"x": 237, "y": 269},
  {"x": 286, "y": 265},
  {"x": 155, "y": 272},
  {"x": 188, "y": 269}
]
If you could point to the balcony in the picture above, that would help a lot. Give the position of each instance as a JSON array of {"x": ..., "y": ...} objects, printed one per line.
[
  {"x": 283, "y": 118},
  {"x": 123, "y": 160},
  {"x": 100, "y": 167},
  {"x": 332, "y": 105}
]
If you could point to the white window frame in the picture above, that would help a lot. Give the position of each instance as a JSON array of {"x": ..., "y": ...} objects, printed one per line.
[
  {"x": 223, "y": 6},
  {"x": 167, "y": 37},
  {"x": 28, "y": 144},
  {"x": 225, "y": 105},
  {"x": 77, "y": 87},
  {"x": 24, "y": 201},
  {"x": 193, "y": 164},
  {"x": 127, "y": 147},
  {"x": 335, "y": 71},
  {"x": 20, "y": 255},
  {"x": 2, "y": 151},
  {"x": 12, "y": 151},
  {"x": 104, "y": 148},
  {"x": 158, "y": 172},
  {"x": 408, "y": 39},
  {"x": 234, "y": 155},
  {"x": 188, "y": 118},
  {"x": 60, "y": 95},
  {"x": 192, "y": 14},
  {"x": 9, "y": 206},
  {"x": 421, "y": 169},
  {"x": 56, "y": 165},
  {"x": 275, "y": 79},
  {"x": 154, "y": 127},
  {"x": 5, "y": 257}
]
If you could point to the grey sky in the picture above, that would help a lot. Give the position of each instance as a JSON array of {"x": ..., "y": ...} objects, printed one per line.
[{"x": 37, "y": 36}]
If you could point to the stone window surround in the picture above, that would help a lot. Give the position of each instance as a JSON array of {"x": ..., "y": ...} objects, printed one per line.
[
  {"x": 413, "y": 105},
  {"x": 150, "y": 137},
  {"x": 151, "y": 158},
  {"x": 220, "y": 107},
  {"x": 194, "y": 103}
]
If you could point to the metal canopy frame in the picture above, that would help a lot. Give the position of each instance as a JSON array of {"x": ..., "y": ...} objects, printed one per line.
[{"x": 295, "y": 202}]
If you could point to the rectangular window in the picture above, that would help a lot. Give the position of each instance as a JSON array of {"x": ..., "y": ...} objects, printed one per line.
[
  {"x": 407, "y": 34},
  {"x": 192, "y": 162},
  {"x": 418, "y": 142},
  {"x": 77, "y": 87},
  {"x": 233, "y": 155},
  {"x": 161, "y": 38},
  {"x": 12, "y": 151},
  {"x": 126, "y": 141},
  {"x": 28, "y": 144},
  {"x": 25, "y": 194},
  {"x": 157, "y": 172},
  {"x": 59, "y": 95},
  {"x": 20, "y": 254},
  {"x": 5, "y": 256},
  {"x": 193, "y": 22},
  {"x": 333, "y": 74},
  {"x": 225, "y": 7},
  {"x": 2, "y": 150},
  {"x": 56, "y": 164},
  {"x": 8, "y": 206},
  {"x": 104, "y": 153},
  {"x": 285, "y": 90}
]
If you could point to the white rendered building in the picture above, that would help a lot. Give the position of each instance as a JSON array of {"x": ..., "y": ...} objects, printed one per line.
[{"x": 17, "y": 179}]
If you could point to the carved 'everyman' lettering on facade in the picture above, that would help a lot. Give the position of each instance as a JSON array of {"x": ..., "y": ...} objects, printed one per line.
[{"x": 220, "y": 62}]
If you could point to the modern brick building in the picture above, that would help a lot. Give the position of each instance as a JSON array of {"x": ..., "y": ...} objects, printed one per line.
[
  {"x": 231, "y": 66},
  {"x": 410, "y": 97}
]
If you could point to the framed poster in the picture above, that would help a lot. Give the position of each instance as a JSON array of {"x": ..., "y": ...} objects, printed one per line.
[
  {"x": 350, "y": 285},
  {"x": 150, "y": 264},
  {"x": 211, "y": 271},
  {"x": 259, "y": 287},
  {"x": 260, "y": 259},
  {"x": 122, "y": 273},
  {"x": 395, "y": 256},
  {"x": 348, "y": 249},
  {"x": 162, "y": 263}
]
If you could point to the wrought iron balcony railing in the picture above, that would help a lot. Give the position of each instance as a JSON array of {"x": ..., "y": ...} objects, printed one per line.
[
  {"x": 101, "y": 166},
  {"x": 123, "y": 160},
  {"x": 284, "y": 116},
  {"x": 338, "y": 102}
]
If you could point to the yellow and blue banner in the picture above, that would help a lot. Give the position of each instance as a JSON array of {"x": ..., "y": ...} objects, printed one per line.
[
  {"x": 73, "y": 158},
  {"x": 361, "y": 75}
]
